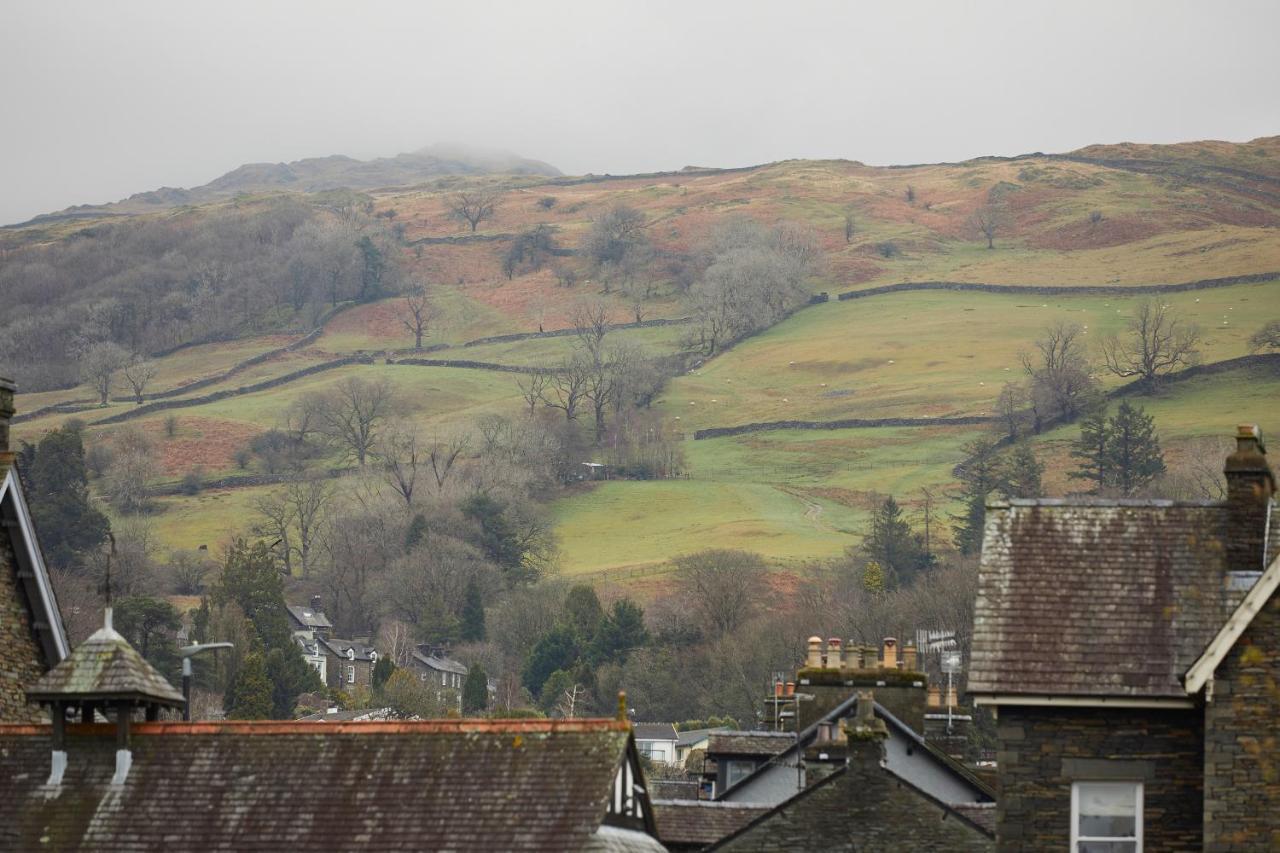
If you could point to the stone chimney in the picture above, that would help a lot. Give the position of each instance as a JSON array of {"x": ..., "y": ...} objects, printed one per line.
[
  {"x": 814, "y": 661},
  {"x": 834, "y": 647},
  {"x": 1250, "y": 486},
  {"x": 890, "y": 660},
  {"x": 909, "y": 656},
  {"x": 315, "y": 604},
  {"x": 6, "y": 412}
]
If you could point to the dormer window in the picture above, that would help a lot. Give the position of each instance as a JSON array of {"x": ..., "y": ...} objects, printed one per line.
[
  {"x": 351, "y": 654},
  {"x": 373, "y": 657}
]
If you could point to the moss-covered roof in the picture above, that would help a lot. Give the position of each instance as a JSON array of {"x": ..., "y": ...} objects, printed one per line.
[{"x": 104, "y": 667}]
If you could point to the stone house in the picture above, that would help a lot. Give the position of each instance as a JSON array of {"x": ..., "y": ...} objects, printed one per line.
[
  {"x": 30, "y": 624},
  {"x": 310, "y": 627},
  {"x": 1131, "y": 653},
  {"x": 348, "y": 663},
  {"x": 436, "y": 669}
]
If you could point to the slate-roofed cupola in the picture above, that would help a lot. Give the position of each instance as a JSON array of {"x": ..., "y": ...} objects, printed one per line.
[
  {"x": 107, "y": 675},
  {"x": 1250, "y": 487}
]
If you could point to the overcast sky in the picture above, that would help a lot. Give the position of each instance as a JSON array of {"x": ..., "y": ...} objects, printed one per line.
[{"x": 104, "y": 99}]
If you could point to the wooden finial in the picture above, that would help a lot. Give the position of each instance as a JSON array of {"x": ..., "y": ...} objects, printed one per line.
[{"x": 622, "y": 706}]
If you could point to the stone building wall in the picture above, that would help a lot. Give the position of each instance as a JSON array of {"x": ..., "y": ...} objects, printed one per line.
[
  {"x": 1043, "y": 750},
  {"x": 22, "y": 662},
  {"x": 1242, "y": 734}
]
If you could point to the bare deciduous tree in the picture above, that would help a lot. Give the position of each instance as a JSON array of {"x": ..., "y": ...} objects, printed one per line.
[
  {"x": 1059, "y": 373},
  {"x": 473, "y": 206},
  {"x": 1158, "y": 342},
  {"x": 401, "y": 457},
  {"x": 533, "y": 389},
  {"x": 848, "y": 227},
  {"x": 417, "y": 314},
  {"x": 1009, "y": 405},
  {"x": 988, "y": 220},
  {"x": 138, "y": 372},
  {"x": 309, "y": 500},
  {"x": 354, "y": 413},
  {"x": 442, "y": 455},
  {"x": 725, "y": 586},
  {"x": 99, "y": 364},
  {"x": 569, "y": 384},
  {"x": 133, "y": 465}
]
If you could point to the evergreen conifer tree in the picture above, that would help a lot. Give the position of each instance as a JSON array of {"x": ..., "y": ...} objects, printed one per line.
[
  {"x": 473, "y": 629},
  {"x": 892, "y": 544},
  {"x": 1091, "y": 450},
  {"x": 1021, "y": 472},
  {"x": 1133, "y": 452},
  {"x": 475, "y": 691},
  {"x": 248, "y": 696},
  {"x": 59, "y": 498},
  {"x": 621, "y": 632}
]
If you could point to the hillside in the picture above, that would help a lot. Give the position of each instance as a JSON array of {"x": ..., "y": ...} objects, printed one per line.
[
  {"x": 1109, "y": 222},
  {"x": 314, "y": 174}
]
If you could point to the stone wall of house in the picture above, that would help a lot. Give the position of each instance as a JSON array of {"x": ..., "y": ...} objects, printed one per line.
[
  {"x": 862, "y": 808},
  {"x": 1043, "y": 750},
  {"x": 22, "y": 661},
  {"x": 1242, "y": 733}
]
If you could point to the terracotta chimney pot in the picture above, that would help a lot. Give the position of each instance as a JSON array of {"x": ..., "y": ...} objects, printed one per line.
[
  {"x": 834, "y": 647},
  {"x": 890, "y": 653},
  {"x": 814, "y": 661}
]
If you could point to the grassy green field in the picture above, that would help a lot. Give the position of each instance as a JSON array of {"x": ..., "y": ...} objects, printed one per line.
[{"x": 931, "y": 353}]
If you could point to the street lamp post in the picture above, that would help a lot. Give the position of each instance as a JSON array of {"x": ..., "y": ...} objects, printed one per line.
[{"x": 187, "y": 653}]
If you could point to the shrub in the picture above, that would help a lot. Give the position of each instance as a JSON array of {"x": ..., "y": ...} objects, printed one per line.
[
  {"x": 97, "y": 459},
  {"x": 547, "y": 202},
  {"x": 888, "y": 249},
  {"x": 192, "y": 481},
  {"x": 171, "y": 426}
]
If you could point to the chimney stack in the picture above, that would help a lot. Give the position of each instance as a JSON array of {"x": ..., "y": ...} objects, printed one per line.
[
  {"x": 935, "y": 697},
  {"x": 834, "y": 647},
  {"x": 7, "y": 388},
  {"x": 814, "y": 660},
  {"x": 909, "y": 656},
  {"x": 890, "y": 653},
  {"x": 315, "y": 604},
  {"x": 1250, "y": 486}
]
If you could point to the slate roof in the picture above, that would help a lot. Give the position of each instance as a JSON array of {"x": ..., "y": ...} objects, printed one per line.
[
  {"x": 339, "y": 648},
  {"x": 1091, "y": 598},
  {"x": 689, "y": 737},
  {"x": 440, "y": 664},
  {"x": 33, "y": 577},
  {"x": 104, "y": 666},
  {"x": 461, "y": 785},
  {"x": 655, "y": 731},
  {"x": 307, "y": 617},
  {"x": 749, "y": 743},
  {"x": 701, "y": 822}
]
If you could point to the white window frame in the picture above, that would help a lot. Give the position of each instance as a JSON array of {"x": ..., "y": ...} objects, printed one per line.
[
  {"x": 351, "y": 674},
  {"x": 1077, "y": 839}
]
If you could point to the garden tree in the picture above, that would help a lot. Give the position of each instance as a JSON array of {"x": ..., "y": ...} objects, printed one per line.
[
  {"x": 99, "y": 364},
  {"x": 473, "y": 206},
  {"x": 248, "y": 696},
  {"x": 1157, "y": 343},
  {"x": 621, "y": 632},
  {"x": 354, "y": 413},
  {"x": 133, "y": 466},
  {"x": 150, "y": 625},
  {"x": 290, "y": 677},
  {"x": 529, "y": 250},
  {"x": 848, "y": 227},
  {"x": 138, "y": 372},
  {"x": 70, "y": 527},
  {"x": 1059, "y": 372},
  {"x": 1020, "y": 472},
  {"x": 1133, "y": 452},
  {"x": 1268, "y": 337},
  {"x": 475, "y": 691},
  {"x": 417, "y": 314},
  {"x": 382, "y": 670},
  {"x": 1091, "y": 450},
  {"x": 892, "y": 544},
  {"x": 724, "y": 586},
  {"x": 409, "y": 697},
  {"x": 472, "y": 628},
  {"x": 250, "y": 580},
  {"x": 373, "y": 269},
  {"x": 988, "y": 220},
  {"x": 557, "y": 649}
]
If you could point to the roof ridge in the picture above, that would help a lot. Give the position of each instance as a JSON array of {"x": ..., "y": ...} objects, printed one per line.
[{"x": 279, "y": 727}]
